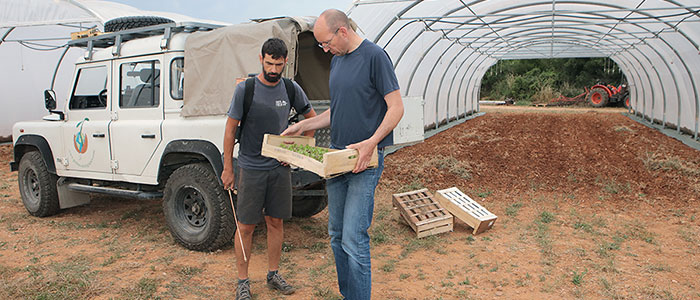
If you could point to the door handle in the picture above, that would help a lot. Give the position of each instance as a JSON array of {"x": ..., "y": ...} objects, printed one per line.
[
  {"x": 148, "y": 136},
  {"x": 98, "y": 135}
]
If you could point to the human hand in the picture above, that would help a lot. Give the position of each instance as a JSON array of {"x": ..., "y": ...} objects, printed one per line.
[
  {"x": 296, "y": 129},
  {"x": 228, "y": 179},
  {"x": 365, "y": 149}
]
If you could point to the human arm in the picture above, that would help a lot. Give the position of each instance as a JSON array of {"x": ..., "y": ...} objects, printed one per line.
[
  {"x": 393, "y": 115},
  {"x": 227, "y": 176},
  {"x": 320, "y": 121},
  {"x": 310, "y": 114}
]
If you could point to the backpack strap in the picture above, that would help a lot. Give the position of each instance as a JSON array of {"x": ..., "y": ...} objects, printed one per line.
[
  {"x": 247, "y": 103},
  {"x": 291, "y": 94}
]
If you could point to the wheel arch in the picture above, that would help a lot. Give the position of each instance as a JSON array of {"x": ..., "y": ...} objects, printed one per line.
[
  {"x": 602, "y": 87},
  {"x": 181, "y": 152},
  {"x": 27, "y": 142}
]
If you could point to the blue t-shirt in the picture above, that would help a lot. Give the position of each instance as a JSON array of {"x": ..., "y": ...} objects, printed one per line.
[
  {"x": 358, "y": 82},
  {"x": 268, "y": 114}
]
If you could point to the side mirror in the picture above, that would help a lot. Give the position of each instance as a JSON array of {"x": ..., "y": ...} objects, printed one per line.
[{"x": 50, "y": 99}]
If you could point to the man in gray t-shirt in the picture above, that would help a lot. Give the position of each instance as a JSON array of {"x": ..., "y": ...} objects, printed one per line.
[{"x": 264, "y": 185}]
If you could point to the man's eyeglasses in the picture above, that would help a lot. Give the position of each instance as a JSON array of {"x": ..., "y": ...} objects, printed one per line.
[{"x": 325, "y": 44}]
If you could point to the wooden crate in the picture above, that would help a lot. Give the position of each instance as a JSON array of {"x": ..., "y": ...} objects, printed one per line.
[
  {"x": 466, "y": 209},
  {"x": 425, "y": 215},
  {"x": 334, "y": 162},
  {"x": 85, "y": 33}
]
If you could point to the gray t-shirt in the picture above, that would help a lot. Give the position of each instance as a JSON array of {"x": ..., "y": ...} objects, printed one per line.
[
  {"x": 268, "y": 113},
  {"x": 358, "y": 83}
]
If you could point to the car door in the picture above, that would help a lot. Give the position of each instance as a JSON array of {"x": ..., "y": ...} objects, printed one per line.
[
  {"x": 85, "y": 131},
  {"x": 135, "y": 131}
]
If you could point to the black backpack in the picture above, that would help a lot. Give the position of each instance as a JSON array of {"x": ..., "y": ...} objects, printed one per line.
[{"x": 248, "y": 101}]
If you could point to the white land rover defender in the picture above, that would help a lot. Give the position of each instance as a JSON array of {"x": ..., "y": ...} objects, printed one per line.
[{"x": 130, "y": 128}]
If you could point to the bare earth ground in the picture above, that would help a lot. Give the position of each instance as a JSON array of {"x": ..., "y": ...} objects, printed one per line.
[{"x": 590, "y": 205}]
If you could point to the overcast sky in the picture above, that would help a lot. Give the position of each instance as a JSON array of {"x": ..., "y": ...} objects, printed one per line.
[{"x": 26, "y": 73}]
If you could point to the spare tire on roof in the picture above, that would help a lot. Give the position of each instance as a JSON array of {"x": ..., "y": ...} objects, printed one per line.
[{"x": 125, "y": 23}]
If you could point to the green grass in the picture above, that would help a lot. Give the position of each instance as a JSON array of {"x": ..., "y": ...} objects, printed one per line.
[
  {"x": 144, "y": 289},
  {"x": 577, "y": 278},
  {"x": 483, "y": 193},
  {"x": 655, "y": 161},
  {"x": 189, "y": 271},
  {"x": 546, "y": 217},
  {"x": 325, "y": 293},
  {"x": 655, "y": 268},
  {"x": 71, "y": 279},
  {"x": 513, "y": 209},
  {"x": 523, "y": 103},
  {"x": 134, "y": 214},
  {"x": 111, "y": 259},
  {"x": 450, "y": 164},
  {"x": 389, "y": 266},
  {"x": 426, "y": 243},
  {"x": 583, "y": 226},
  {"x": 415, "y": 184},
  {"x": 380, "y": 234}
]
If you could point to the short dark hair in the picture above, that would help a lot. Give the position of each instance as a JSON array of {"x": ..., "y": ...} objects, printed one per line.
[{"x": 275, "y": 48}]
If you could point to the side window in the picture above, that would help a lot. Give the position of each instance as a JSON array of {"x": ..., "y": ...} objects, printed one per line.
[
  {"x": 177, "y": 78},
  {"x": 140, "y": 84},
  {"x": 90, "y": 89}
]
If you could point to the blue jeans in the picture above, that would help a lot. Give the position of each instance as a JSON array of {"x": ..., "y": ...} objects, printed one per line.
[{"x": 350, "y": 208}]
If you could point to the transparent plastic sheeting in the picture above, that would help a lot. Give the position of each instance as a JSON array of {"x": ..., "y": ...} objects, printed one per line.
[
  {"x": 442, "y": 49},
  {"x": 23, "y": 13}
]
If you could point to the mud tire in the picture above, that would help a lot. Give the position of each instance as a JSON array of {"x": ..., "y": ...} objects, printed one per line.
[
  {"x": 197, "y": 209},
  {"x": 37, "y": 186}
]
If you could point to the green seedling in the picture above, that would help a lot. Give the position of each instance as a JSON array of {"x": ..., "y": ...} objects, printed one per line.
[{"x": 306, "y": 150}]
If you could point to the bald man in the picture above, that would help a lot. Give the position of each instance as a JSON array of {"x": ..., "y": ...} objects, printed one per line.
[{"x": 365, "y": 108}]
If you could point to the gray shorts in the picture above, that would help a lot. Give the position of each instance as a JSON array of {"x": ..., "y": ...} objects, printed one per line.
[{"x": 267, "y": 192}]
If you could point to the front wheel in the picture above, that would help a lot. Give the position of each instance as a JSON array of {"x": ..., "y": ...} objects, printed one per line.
[
  {"x": 197, "y": 209},
  {"x": 37, "y": 186}
]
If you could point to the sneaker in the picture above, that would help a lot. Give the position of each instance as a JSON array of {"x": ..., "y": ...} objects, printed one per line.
[
  {"x": 243, "y": 291},
  {"x": 277, "y": 282}
]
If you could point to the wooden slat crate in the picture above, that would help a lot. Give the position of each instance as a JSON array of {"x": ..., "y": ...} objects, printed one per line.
[
  {"x": 466, "y": 209},
  {"x": 425, "y": 215},
  {"x": 334, "y": 162}
]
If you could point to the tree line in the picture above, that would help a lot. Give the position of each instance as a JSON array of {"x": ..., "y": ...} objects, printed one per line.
[{"x": 541, "y": 80}]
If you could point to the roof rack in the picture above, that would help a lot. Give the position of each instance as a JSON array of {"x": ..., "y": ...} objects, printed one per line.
[{"x": 117, "y": 38}]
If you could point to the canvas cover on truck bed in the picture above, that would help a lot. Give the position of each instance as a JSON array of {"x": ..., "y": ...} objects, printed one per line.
[{"x": 215, "y": 59}]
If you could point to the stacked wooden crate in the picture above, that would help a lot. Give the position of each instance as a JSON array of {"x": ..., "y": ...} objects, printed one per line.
[{"x": 423, "y": 213}]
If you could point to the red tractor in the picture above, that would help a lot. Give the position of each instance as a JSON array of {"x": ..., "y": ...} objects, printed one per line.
[{"x": 602, "y": 95}]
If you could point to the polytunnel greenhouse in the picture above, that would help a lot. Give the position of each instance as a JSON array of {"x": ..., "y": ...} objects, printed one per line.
[{"x": 442, "y": 49}]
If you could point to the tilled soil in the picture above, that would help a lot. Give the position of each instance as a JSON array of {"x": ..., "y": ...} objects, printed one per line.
[{"x": 590, "y": 205}]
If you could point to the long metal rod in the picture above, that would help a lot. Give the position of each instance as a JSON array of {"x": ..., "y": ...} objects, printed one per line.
[
  {"x": 6, "y": 34},
  {"x": 55, "y": 71}
]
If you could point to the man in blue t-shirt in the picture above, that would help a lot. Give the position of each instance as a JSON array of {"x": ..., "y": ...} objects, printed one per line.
[
  {"x": 264, "y": 185},
  {"x": 365, "y": 107}
]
